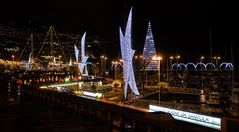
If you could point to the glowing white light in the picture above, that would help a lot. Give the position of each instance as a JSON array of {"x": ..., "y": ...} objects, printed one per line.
[
  {"x": 96, "y": 95},
  {"x": 76, "y": 53},
  {"x": 84, "y": 58},
  {"x": 67, "y": 79},
  {"x": 204, "y": 120},
  {"x": 80, "y": 84},
  {"x": 42, "y": 87},
  {"x": 61, "y": 85},
  {"x": 127, "y": 54}
]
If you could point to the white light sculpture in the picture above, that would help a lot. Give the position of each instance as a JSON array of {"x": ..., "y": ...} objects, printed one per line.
[
  {"x": 29, "y": 62},
  {"x": 76, "y": 53},
  {"x": 127, "y": 54},
  {"x": 84, "y": 58}
]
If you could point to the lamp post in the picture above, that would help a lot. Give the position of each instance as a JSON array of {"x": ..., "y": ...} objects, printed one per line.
[
  {"x": 158, "y": 58},
  {"x": 60, "y": 61},
  {"x": 217, "y": 58},
  {"x": 12, "y": 59},
  {"x": 178, "y": 58},
  {"x": 103, "y": 63},
  {"x": 171, "y": 61},
  {"x": 201, "y": 58},
  {"x": 114, "y": 64}
]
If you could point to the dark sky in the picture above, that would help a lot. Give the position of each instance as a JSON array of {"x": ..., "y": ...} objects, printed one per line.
[{"x": 179, "y": 27}]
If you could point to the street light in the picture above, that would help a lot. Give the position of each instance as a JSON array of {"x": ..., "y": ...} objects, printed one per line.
[
  {"x": 158, "y": 58},
  {"x": 178, "y": 58},
  {"x": 103, "y": 66},
  {"x": 59, "y": 58},
  {"x": 217, "y": 58},
  {"x": 171, "y": 60},
  {"x": 114, "y": 63},
  {"x": 12, "y": 59},
  {"x": 201, "y": 58}
]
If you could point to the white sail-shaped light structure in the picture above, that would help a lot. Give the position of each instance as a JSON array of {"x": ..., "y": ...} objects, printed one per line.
[
  {"x": 82, "y": 63},
  {"x": 28, "y": 67},
  {"x": 127, "y": 54},
  {"x": 76, "y": 53},
  {"x": 83, "y": 57}
]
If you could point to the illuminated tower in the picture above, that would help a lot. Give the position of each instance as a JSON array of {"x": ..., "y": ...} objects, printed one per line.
[{"x": 149, "y": 51}]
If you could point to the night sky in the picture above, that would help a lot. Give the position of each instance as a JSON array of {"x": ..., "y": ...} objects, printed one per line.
[{"x": 179, "y": 27}]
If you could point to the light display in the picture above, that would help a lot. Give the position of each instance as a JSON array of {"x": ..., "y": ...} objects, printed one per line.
[
  {"x": 76, "y": 53},
  {"x": 82, "y": 64},
  {"x": 149, "y": 51},
  {"x": 127, "y": 54},
  {"x": 84, "y": 58}
]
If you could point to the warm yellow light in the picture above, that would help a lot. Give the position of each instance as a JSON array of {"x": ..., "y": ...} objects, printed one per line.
[
  {"x": 171, "y": 57},
  {"x": 217, "y": 57},
  {"x": 157, "y": 58}
]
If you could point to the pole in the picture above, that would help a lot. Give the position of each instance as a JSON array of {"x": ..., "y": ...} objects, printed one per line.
[
  {"x": 167, "y": 71},
  {"x": 115, "y": 72},
  {"x": 159, "y": 71},
  {"x": 159, "y": 79},
  {"x": 101, "y": 65}
]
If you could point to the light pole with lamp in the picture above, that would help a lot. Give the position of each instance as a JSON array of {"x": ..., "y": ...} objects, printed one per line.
[
  {"x": 201, "y": 58},
  {"x": 114, "y": 64},
  {"x": 158, "y": 58},
  {"x": 13, "y": 59},
  {"x": 217, "y": 58},
  {"x": 171, "y": 61},
  {"x": 103, "y": 65},
  {"x": 178, "y": 58}
]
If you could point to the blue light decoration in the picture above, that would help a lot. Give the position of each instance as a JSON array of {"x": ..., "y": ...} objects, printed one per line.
[
  {"x": 201, "y": 64},
  {"x": 226, "y": 65},
  {"x": 210, "y": 64},
  {"x": 127, "y": 54},
  {"x": 192, "y": 64}
]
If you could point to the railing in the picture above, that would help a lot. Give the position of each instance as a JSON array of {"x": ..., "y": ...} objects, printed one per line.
[
  {"x": 193, "y": 91},
  {"x": 108, "y": 111}
]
